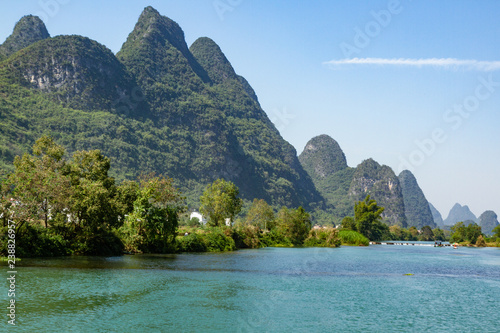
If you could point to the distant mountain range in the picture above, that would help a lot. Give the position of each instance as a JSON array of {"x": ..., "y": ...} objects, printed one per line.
[
  {"x": 159, "y": 105},
  {"x": 459, "y": 213}
]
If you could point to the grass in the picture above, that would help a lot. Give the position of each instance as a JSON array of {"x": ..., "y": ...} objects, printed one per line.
[{"x": 349, "y": 237}]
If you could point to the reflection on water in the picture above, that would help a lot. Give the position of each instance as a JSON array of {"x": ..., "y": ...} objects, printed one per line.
[{"x": 346, "y": 289}]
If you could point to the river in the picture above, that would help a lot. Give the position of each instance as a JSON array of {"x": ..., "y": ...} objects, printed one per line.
[{"x": 349, "y": 289}]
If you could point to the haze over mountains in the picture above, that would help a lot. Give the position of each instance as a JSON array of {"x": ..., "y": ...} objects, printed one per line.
[{"x": 159, "y": 105}]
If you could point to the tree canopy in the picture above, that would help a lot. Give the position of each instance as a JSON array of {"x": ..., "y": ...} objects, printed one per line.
[{"x": 220, "y": 201}]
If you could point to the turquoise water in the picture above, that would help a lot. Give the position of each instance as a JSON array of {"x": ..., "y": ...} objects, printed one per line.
[{"x": 349, "y": 289}]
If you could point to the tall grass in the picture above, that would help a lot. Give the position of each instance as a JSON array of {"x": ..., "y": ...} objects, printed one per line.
[{"x": 349, "y": 237}]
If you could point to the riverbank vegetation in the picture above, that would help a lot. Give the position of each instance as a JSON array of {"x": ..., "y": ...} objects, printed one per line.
[{"x": 71, "y": 206}]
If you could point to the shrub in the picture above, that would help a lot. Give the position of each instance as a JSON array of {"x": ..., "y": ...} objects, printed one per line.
[
  {"x": 35, "y": 241},
  {"x": 274, "y": 238},
  {"x": 217, "y": 241},
  {"x": 104, "y": 243},
  {"x": 247, "y": 236},
  {"x": 191, "y": 243},
  {"x": 326, "y": 237},
  {"x": 480, "y": 242},
  {"x": 349, "y": 237}
]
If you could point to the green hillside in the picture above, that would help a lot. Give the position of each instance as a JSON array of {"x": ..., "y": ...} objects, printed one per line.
[{"x": 155, "y": 106}]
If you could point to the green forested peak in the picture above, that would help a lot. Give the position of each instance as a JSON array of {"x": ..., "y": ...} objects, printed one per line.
[
  {"x": 152, "y": 25},
  {"x": 213, "y": 60},
  {"x": 153, "y": 37},
  {"x": 30, "y": 29},
  {"x": 78, "y": 72},
  {"x": 322, "y": 157}
]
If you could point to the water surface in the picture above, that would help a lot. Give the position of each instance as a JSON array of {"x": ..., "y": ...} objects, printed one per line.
[{"x": 349, "y": 289}]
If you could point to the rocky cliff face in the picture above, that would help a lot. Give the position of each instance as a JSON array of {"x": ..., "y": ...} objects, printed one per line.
[
  {"x": 383, "y": 185},
  {"x": 459, "y": 213},
  {"x": 417, "y": 210},
  {"x": 78, "y": 72},
  {"x": 488, "y": 221}
]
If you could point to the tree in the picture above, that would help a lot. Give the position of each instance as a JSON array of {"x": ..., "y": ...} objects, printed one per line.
[
  {"x": 152, "y": 226},
  {"x": 41, "y": 187},
  {"x": 496, "y": 232},
  {"x": 427, "y": 234},
  {"x": 294, "y": 224},
  {"x": 95, "y": 203},
  {"x": 368, "y": 217},
  {"x": 413, "y": 233},
  {"x": 439, "y": 234},
  {"x": 473, "y": 231},
  {"x": 462, "y": 233},
  {"x": 480, "y": 242},
  {"x": 348, "y": 223},
  {"x": 260, "y": 215},
  {"x": 220, "y": 201}
]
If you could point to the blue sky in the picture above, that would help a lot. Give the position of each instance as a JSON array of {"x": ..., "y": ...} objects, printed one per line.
[{"x": 404, "y": 97}]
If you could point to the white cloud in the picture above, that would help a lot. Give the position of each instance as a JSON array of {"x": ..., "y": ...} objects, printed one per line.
[{"x": 446, "y": 63}]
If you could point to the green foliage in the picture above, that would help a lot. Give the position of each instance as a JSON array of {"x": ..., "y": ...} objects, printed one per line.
[
  {"x": 367, "y": 220},
  {"x": 496, "y": 232},
  {"x": 220, "y": 201},
  {"x": 247, "y": 236},
  {"x": 348, "y": 223},
  {"x": 275, "y": 238},
  {"x": 368, "y": 216},
  {"x": 294, "y": 224},
  {"x": 40, "y": 183},
  {"x": 462, "y": 233},
  {"x": 380, "y": 182},
  {"x": 218, "y": 241},
  {"x": 150, "y": 108},
  {"x": 152, "y": 225},
  {"x": 30, "y": 29},
  {"x": 351, "y": 237},
  {"x": 426, "y": 234},
  {"x": 438, "y": 234},
  {"x": 480, "y": 242},
  {"x": 104, "y": 243},
  {"x": 193, "y": 242},
  {"x": 36, "y": 241},
  {"x": 261, "y": 215},
  {"x": 324, "y": 237},
  {"x": 398, "y": 233}
]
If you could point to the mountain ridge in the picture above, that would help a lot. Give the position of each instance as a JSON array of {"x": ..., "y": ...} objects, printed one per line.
[
  {"x": 179, "y": 122},
  {"x": 27, "y": 31},
  {"x": 417, "y": 210},
  {"x": 459, "y": 213}
]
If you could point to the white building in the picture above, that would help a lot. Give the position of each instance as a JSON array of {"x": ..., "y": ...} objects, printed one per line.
[{"x": 199, "y": 217}]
